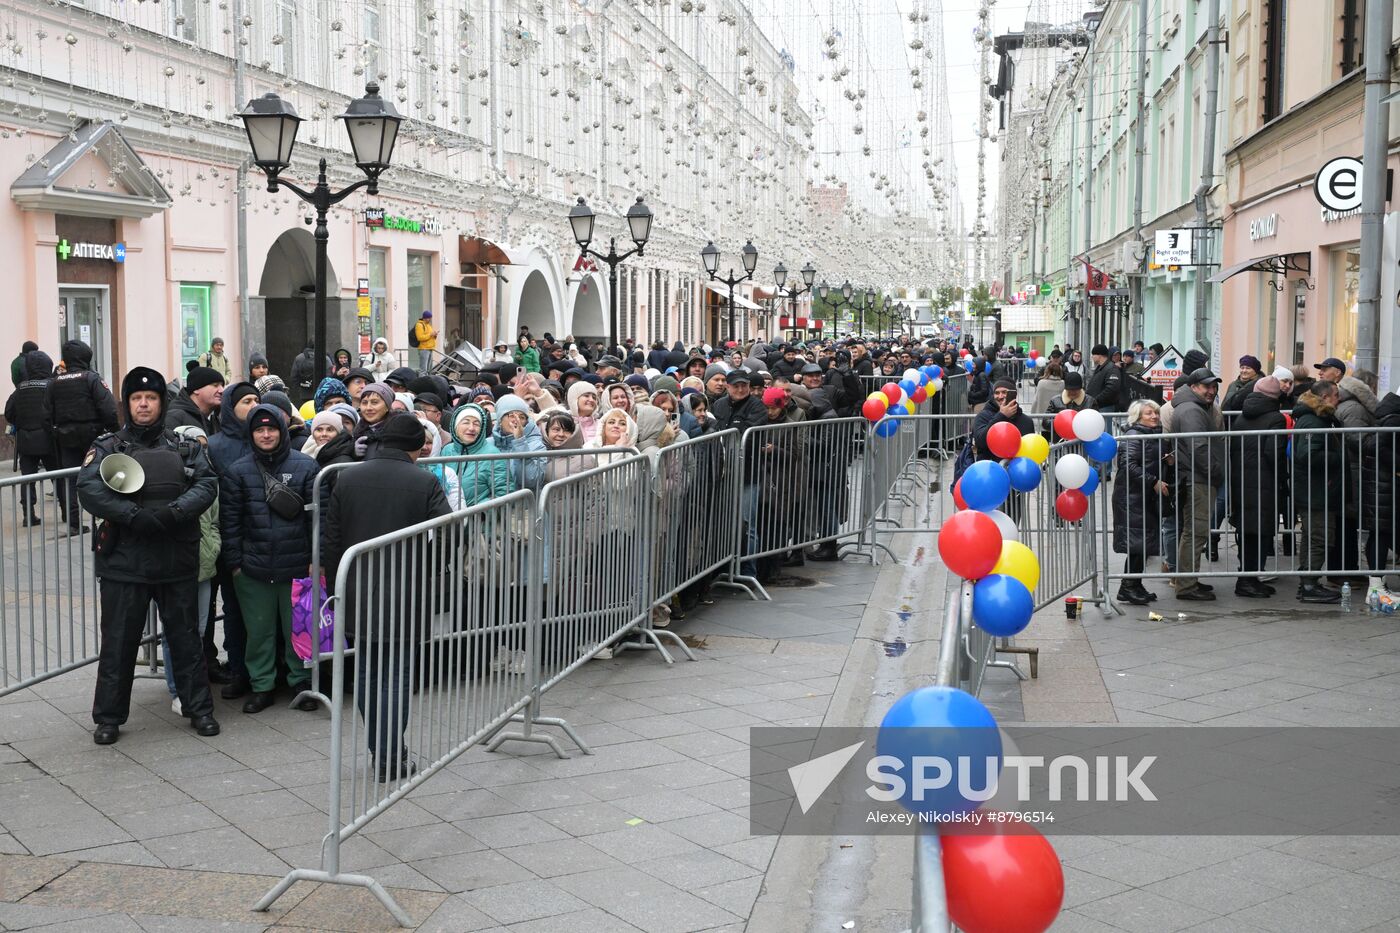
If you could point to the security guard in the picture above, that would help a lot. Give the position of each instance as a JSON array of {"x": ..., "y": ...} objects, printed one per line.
[
  {"x": 148, "y": 549},
  {"x": 80, "y": 407}
]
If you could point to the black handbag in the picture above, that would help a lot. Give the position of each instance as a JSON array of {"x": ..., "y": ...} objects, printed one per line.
[{"x": 281, "y": 499}]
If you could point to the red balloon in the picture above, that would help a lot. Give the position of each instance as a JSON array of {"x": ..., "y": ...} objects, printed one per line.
[
  {"x": 958, "y": 500},
  {"x": 1035, "y": 354},
  {"x": 1288, "y": 420},
  {"x": 1071, "y": 505},
  {"x": 1005, "y": 879},
  {"x": 872, "y": 410},
  {"x": 1064, "y": 425},
  {"x": 964, "y": 352},
  {"x": 920, "y": 395},
  {"x": 970, "y": 544},
  {"x": 1004, "y": 439},
  {"x": 892, "y": 391}
]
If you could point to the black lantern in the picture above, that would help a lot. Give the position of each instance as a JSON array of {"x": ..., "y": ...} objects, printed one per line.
[{"x": 581, "y": 220}]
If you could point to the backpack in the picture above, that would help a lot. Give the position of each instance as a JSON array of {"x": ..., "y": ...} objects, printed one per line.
[{"x": 413, "y": 334}]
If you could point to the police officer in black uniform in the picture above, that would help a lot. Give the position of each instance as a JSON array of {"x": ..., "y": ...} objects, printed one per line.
[
  {"x": 80, "y": 407},
  {"x": 24, "y": 411},
  {"x": 148, "y": 549}
]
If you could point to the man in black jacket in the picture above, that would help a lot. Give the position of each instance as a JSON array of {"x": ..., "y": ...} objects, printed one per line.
[
  {"x": 739, "y": 408},
  {"x": 789, "y": 365},
  {"x": 24, "y": 411},
  {"x": 1002, "y": 406},
  {"x": 197, "y": 405},
  {"x": 148, "y": 550},
  {"x": 80, "y": 407},
  {"x": 385, "y": 494},
  {"x": 1105, "y": 384}
]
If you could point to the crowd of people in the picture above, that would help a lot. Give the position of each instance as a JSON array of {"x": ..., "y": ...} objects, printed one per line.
[{"x": 230, "y": 463}]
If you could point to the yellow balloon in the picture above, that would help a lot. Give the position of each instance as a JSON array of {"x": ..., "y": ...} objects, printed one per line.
[
  {"x": 909, "y": 406},
  {"x": 1034, "y": 446},
  {"x": 307, "y": 411},
  {"x": 880, "y": 397},
  {"x": 1019, "y": 561}
]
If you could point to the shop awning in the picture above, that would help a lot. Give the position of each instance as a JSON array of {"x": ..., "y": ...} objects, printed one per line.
[
  {"x": 63, "y": 180},
  {"x": 1274, "y": 264},
  {"x": 481, "y": 251},
  {"x": 740, "y": 300}
]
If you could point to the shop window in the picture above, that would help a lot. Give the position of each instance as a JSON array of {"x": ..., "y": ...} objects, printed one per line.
[
  {"x": 420, "y": 284},
  {"x": 196, "y": 300},
  {"x": 1345, "y": 295}
]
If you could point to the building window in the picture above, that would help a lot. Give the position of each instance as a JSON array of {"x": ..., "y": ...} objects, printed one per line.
[
  {"x": 284, "y": 37},
  {"x": 369, "y": 53},
  {"x": 1346, "y": 293},
  {"x": 1275, "y": 52},
  {"x": 1352, "y": 29},
  {"x": 196, "y": 302},
  {"x": 378, "y": 296},
  {"x": 420, "y": 284},
  {"x": 184, "y": 20}
]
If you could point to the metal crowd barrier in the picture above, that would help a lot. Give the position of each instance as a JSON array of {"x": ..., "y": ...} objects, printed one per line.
[
  {"x": 1317, "y": 505},
  {"x": 426, "y": 615}
]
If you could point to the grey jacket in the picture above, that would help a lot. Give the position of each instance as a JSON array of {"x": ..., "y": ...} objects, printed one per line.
[{"x": 1199, "y": 460}]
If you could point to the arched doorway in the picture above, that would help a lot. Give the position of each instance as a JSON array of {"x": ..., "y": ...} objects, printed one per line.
[
  {"x": 536, "y": 310},
  {"x": 590, "y": 318},
  {"x": 288, "y": 290}
]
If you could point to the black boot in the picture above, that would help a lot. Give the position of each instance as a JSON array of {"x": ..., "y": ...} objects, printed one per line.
[
  {"x": 1250, "y": 588},
  {"x": 236, "y": 687},
  {"x": 794, "y": 558},
  {"x": 1314, "y": 593},
  {"x": 1127, "y": 593},
  {"x": 829, "y": 551},
  {"x": 32, "y": 519}
]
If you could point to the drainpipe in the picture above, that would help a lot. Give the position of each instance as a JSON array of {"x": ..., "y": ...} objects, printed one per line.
[
  {"x": 240, "y": 93},
  {"x": 1136, "y": 316},
  {"x": 1212, "y": 108},
  {"x": 1085, "y": 318},
  {"x": 1373, "y": 175}
]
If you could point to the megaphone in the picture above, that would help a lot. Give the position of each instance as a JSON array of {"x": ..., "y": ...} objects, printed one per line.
[{"x": 122, "y": 474}]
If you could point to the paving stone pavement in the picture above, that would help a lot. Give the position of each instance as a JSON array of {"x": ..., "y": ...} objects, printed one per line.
[{"x": 167, "y": 831}]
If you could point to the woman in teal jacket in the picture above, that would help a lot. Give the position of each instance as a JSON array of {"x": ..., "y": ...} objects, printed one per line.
[
  {"x": 481, "y": 480},
  {"x": 526, "y": 356}
]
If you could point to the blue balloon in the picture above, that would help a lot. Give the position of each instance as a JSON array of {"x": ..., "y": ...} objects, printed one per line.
[
  {"x": 1001, "y": 605},
  {"x": 948, "y": 724},
  {"x": 923, "y": 378},
  {"x": 967, "y": 365},
  {"x": 987, "y": 368},
  {"x": 908, "y": 386},
  {"x": 1030, "y": 363},
  {"x": 1102, "y": 448},
  {"x": 985, "y": 485},
  {"x": 1024, "y": 473},
  {"x": 887, "y": 427},
  {"x": 928, "y": 371},
  {"x": 937, "y": 371},
  {"x": 1092, "y": 482}
]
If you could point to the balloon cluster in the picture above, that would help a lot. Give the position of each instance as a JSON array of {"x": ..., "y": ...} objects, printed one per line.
[
  {"x": 1004, "y": 876},
  {"x": 1073, "y": 471},
  {"x": 1035, "y": 361},
  {"x": 900, "y": 399}
]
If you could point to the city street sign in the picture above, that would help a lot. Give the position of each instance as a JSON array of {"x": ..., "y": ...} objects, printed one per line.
[
  {"x": 1045, "y": 289},
  {"x": 1172, "y": 247},
  {"x": 1164, "y": 371},
  {"x": 1337, "y": 185}
]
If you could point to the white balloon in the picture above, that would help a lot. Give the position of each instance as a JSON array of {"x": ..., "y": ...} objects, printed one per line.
[
  {"x": 1041, "y": 362},
  {"x": 1072, "y": 471},
  {"x": 913, "y": 376},
  {"x": 1009, "y": 531},
  {"x": 936, "y": 385},
  {"x": 1088, "y": 424}
]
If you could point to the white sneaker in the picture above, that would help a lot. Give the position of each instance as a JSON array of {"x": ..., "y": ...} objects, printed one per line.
[
  {"x": 518, "y": 663},
  {"x": 175, "y": 706}
]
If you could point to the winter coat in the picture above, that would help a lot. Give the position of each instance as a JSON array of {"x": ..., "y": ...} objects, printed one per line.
[
  {"x": 1357, "y": 405},
  {"x": 77, "y": 402},
  {"x": 787, "y": 369},
  {"x": 304, "y": 373},
  {"x": 183, "y": 412},
  {"x": 1199, "y": 460},
  {"x": 444, "y": 473},
  {"x": 217, "y": 362},
  {"x": 268, "y": 547},
  {"x": 231, "y": 443},
  {"x": 1258, "y": 466},
  {"x": 654, "y": 430},
  {"x": 527, "y": 359},
  {"x": 1235, "y": 394},
  {"x": 979, "y": 387},
  {"x": 386, "y": 493},
  {"x": 658, "y": 359},
  {"x": 525, "y": 472},
  {"x": 24, "y": 409},
  {"x": 990, "y": 415},
  {"x": 478, "y": 480},
  {"x": 382, "y": 362},
  {"x": 1046, "y": 391},
  {"x": 749, "y": 413},
  {"x": 426, "y": 334},
  {"x": 1317, "y": 458},
  {"x": 1137, "y": 506},
  {"x": 1380, "y": 465},
  {"x": 1105, "y": 387},
  {"x": 560, "y": 467}
]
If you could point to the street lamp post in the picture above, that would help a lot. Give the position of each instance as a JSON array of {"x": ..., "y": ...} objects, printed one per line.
[
  {"x": 809, "y": 274},
  {"x": 710, "y": 256},
  {"x": 868, "y": 301},
  {"x": 638, "y": 225},
  {"x": 844, "y": 294},
  {"x": 373, "y": 126}
]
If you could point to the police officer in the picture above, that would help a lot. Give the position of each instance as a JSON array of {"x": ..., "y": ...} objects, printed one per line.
[
  {"x": 148, "y": 549},
  {"x": 80, "y": 407},
  {"x": 24, "y": 411}
]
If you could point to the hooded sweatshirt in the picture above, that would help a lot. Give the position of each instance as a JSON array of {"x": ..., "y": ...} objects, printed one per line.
[
  {"x": 381, "y": 362},
  {"x": 478, "y": 480},
  {"x": 653, "y": 430},
  {"x": 588, "y": 426},
  {"x": 264, "y": 545},
  {"x": 231, "y": 443}
]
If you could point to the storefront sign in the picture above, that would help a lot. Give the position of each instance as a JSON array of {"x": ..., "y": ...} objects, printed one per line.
[
  {"x": 1262, "y": 228},
  {"x": 1330, "y": 216},
  {"x": 362, "y": 306},
  {"x": 112, "y": 252},
  {"x": 375, "y": 217},
  {"x": 362, "y": 287},
  {"x": 1337, "y": 185},
  {"x": 1164, "y": 371},
  {"x": 1172, "y": 247},
  {"x": 1045, "y": 289}
]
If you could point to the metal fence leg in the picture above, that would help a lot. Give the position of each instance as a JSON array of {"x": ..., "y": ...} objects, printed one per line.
[
  {"x": 531, "y": 718},
  {"x": 361, "y": 881}
]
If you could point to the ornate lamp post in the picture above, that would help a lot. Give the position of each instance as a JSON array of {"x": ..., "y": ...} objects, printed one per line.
[
  {"x": 638, "y": 225},
  {"x": 373, "y": 125},
  {"x": 844, "y": 294},
  {"x": 809, "y": 274},
  {"x": 710, "y": 257}
]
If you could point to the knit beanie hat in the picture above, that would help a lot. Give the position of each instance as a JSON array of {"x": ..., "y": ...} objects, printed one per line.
[{"x": 202, "y": 376}]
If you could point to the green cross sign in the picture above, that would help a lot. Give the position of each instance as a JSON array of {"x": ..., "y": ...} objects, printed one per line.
[
  {"x": 1045, "y": 289},
  {"x": 64, "y": 250}
]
